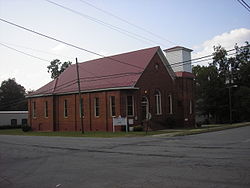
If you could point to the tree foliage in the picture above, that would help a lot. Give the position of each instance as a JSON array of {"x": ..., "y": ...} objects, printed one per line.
[
  {"x": 56, "y": 67},
  {"x": 12, "y": 96},
  {"x": 213, "y": 82}
]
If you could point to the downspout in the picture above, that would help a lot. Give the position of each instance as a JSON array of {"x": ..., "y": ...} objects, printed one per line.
[
  {"x": 30, "y": 113},
  {"x": 54, "y": 111},
  {"x": 90, "y": 118},
  {"x": 106, "y": 111},
  {"x": 75, "y": 114}
]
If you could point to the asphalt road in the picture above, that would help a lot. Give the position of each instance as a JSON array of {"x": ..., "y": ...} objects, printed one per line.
[{"x": 218, "y": 159}]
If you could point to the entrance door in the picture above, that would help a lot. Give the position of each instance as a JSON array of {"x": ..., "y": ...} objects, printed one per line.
[{"x": 144, "y": 108}]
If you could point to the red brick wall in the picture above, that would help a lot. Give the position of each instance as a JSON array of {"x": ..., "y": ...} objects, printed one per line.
[
  {"x": 154, "y": 79},
  {"x": 185, "y": 88},
  {"x": 72, "y": 121},
  {"x": 151, "y": 80},
  {"x": 40, "y": 122}
]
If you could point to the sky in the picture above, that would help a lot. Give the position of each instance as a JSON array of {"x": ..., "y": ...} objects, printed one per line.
[{"x": 194, "y": 24}]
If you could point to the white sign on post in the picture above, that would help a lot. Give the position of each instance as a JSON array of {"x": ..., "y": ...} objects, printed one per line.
[{"x": 120, "y": 121}]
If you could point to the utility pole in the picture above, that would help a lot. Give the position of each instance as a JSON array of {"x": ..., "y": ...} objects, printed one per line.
[
  {"x": 230, "y": 103},
  {"x": 230, "y": 86},
  {"x": 79, "y": 93}
]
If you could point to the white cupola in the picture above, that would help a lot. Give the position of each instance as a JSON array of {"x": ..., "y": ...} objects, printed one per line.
[{"x": 179, "y": 58}]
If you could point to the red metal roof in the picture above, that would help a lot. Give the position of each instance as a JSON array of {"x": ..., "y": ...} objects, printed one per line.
[
  {"x": 104, "y": 73},
  {"x": 185, "y": 74}
]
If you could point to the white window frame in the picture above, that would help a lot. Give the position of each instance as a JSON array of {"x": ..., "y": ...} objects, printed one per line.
[
  {"x": 95, "y": 106},
  {"x": 111, "y": 106},
  {"x": 34, "y": 109},
  {"x": 133, "y": 106},
  {"x": 65, "y": 108},
  {"x": 46, "y": 110},
  {"x": 81, "y": 101},
  {"x": 158, "y": 102}
]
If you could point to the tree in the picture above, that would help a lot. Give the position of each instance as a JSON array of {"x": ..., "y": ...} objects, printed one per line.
[
  {"x": 213, "y": 82},
  {"x": 56, "y": 67},
  {"x": 12, "y": 96}
]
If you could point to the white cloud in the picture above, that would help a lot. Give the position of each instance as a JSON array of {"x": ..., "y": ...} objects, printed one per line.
[
  {"x": 59, "y": 48},
  {"x": 226, "y": 40}
]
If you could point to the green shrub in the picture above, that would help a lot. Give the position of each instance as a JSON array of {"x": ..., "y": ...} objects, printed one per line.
[
  {"x": 26, "y": 128},
  {"x": 170, "y": 122},
  {"x": 138, "y": 128},
  {"x": 10, "y": 127},
  {"x": 198, "y": 124}
]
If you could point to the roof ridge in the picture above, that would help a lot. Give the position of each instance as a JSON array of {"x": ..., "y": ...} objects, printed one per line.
[{"x": 111, "y": 56}]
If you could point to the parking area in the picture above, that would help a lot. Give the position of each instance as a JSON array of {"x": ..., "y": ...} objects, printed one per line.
[{"x": 216, "y": 159}]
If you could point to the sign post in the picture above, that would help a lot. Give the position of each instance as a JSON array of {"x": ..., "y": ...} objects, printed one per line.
[{"x": 120, "y": 121}]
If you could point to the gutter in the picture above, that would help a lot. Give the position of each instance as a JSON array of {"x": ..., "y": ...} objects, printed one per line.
[{"x": 86, "y": 91}]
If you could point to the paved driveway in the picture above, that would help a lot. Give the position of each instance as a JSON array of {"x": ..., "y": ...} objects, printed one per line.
[{"x": 218, "y": 159}]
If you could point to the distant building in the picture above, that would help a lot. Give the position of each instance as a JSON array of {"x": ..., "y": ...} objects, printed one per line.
[
  {"x": 131, "y": 85},
  {"x": 13, "y": 118}
]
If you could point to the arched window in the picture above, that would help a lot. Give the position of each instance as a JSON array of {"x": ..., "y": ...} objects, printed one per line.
[
  {"x": 170, "y": 102},
  {"x": 158, "y": 102},
  {"x": 144, "y": 107}
]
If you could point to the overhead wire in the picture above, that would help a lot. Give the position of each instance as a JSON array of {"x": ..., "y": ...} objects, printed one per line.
[
  {"x": 202, "y": 60},
  {"x": 38, "y": 50},
  {"x": 68, "y": 44},
  {"x": 244, "y": 4},
  {"x": 127, "y": 22},
  {"x": 113, "y": 27},
  {"x": 77, "y": 47},
  {"x": 13, "y": 103},
  {"x": 181, "y": 62},
  {"x": 19, "y": 51}
]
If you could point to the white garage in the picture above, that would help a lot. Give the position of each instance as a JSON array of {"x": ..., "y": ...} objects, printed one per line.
[{"x": 13, "y": 118}]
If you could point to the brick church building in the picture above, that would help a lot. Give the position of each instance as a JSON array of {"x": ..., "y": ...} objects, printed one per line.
[{"x": 130, "y": 85}]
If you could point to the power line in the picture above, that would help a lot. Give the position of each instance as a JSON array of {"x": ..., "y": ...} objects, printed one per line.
[
  {"x": 110, "y": 75},
  {"x": 33, "y": 49},
  {"x": 127, "y": 22},
  {"x": 13, "y": 103},
  {"x": 66, "y": 43},
  {"x": 83, "y": 49},
  {"x": 24, "y": 53},
  {"x": 182, "y": 62},
  {"x": 59, "y": 87},
  {"x": 244, "y": 4},
  {"x": 202, "y": 60},
  {"x": 116, "y": 28}
]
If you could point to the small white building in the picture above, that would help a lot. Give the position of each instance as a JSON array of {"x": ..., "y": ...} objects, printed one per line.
[{"x": 13, "y": 118}]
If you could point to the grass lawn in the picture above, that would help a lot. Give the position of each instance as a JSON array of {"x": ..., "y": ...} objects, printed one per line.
[
  {"x": 168, "y": 132},
  {"x": 79, "y": 134}
]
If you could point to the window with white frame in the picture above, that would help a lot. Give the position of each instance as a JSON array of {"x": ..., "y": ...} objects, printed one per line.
[
  {"x": 130, "y": 105},
  {"x": 81, "y": 108},
  {"x": 34, "y": 109},
  {"x": 170, "y": 103},
  {"x": 112, "y": 105},
  {"x": 158, "y": 102},
  {"x": 46, "y": 114},
  {"x": 65, "y": 109},
  {"x": 97, "y": 106}
]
